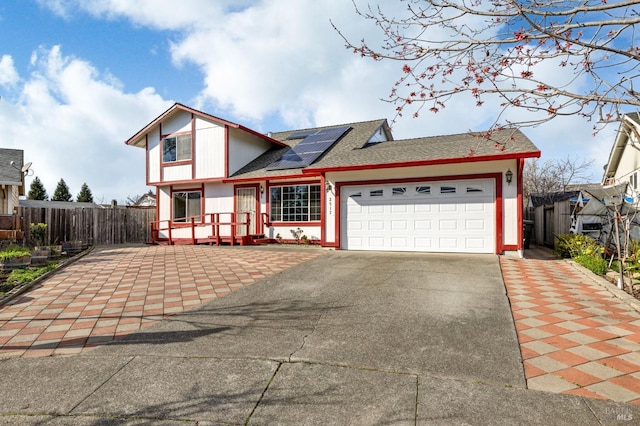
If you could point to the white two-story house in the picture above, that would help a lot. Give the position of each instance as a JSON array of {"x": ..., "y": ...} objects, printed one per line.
[{"x": 349, "y": 186}]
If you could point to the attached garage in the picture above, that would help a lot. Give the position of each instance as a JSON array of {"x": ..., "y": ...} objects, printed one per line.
[{"x": 427, "y": 216}]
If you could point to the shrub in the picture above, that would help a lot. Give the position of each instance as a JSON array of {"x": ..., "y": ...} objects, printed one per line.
[
  {"x": 14, "y": 251},
  {"x": 572, "y": 245},
  {"x": 38, "y": 232},
  {"x": 595, "y": 264},
  {"x": 562, "y": 245}
]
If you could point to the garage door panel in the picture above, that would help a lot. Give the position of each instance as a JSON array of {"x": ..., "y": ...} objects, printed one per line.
[
  {"x": 422, "y": 208},
  {"x": 423, "y": 244},
  {"x": 399, "y": 225},
  {"x": 475, "y": 207},
  {"x": 448, "y": 243},
  {"x": 475, "y": 243},
  {"x": 448, "y": 208},
  {"x": 475, "y": 225},
  {"x": 446, "y": 217},
  {"x": 422, "y": 225},
  {"x": 377, "y": 242}
]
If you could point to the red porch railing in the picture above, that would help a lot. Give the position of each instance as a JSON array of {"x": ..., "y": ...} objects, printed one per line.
[{"x": 238, "y": 223}]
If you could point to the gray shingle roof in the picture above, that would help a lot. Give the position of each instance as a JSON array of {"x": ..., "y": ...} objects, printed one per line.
[
  {"x": 353, "y": 151},
  {"x": 11, "y": 174}
]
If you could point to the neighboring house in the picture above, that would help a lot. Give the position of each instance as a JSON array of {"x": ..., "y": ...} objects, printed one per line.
[
  {"x": 349, "y": 186},
  {"x": 146, "y": 200},
  {"x": 624, "y": 160},
  {"x": 11, "y": 179}
]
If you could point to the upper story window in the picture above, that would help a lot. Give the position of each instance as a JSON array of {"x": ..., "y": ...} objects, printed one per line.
[{"x": 176, "y": 148}]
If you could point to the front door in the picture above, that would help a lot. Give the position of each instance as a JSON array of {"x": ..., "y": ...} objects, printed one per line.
[{"x": 246, "y": 203}]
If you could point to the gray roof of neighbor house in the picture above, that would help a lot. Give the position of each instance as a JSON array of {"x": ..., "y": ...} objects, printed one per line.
[
  {"x": 353, "y": 151},
  {"x": 58, "y": 204},
  {"x": 11, "y": 174}
]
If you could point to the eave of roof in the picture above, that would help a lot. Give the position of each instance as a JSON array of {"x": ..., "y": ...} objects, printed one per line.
[
  {"x": 352, "y": 153},
  {"x": 179, "y": 106},
  {"x": 11, "y": 174}
]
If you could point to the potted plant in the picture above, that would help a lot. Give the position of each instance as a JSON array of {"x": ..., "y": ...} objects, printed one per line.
[
  {"x": 14, "y": 257},
  {"x": 73, "y": 247},
  {"x": 38, "y": 233},
  {"x": 40, "y": 253}
]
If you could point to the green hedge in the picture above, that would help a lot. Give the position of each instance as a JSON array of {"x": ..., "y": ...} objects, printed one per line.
[{"x": 597, "y": 265}]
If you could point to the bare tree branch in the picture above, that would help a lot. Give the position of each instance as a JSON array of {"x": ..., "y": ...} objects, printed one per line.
[{"x": 496, "y": 49}]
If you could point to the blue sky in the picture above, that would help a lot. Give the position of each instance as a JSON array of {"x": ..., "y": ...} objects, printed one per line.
[{"x": 79, "y": 77}]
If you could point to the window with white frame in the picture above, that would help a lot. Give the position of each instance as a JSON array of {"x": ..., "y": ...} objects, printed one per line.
[
  {"x": 187, "y": 205},
  {"x": 176, "y": 148},
  {"x": 295, "y": 203}
]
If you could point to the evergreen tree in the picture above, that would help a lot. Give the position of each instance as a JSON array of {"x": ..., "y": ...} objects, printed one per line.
[
  {"x": 37, "y": 191},
  {"x": 62, "y": 192},
  {"x": 85, "y": 195}
]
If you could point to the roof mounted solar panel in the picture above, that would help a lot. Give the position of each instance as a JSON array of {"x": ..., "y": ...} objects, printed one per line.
[
  {"x": 300, "y": 135},
  {"x": 308, "y": 150}
]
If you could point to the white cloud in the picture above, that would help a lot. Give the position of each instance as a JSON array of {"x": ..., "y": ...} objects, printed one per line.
[
  {"x": 158, "y": 14},
  {"x": 72, "y": 122},
  {"x": 8, "y": 74},
  {"x": 260, "y": 59}
]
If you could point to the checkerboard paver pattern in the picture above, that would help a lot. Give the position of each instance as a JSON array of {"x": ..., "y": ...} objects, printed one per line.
[
  {"x": 575, "y": 336},
  {"x": 117, "y": 290}
]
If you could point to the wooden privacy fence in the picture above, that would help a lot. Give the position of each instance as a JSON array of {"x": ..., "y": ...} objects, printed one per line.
[
  {"x": 90, "y": 225},
  {"x": 551, "y": 220}
]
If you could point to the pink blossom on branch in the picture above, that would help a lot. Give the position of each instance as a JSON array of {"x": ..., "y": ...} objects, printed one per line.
[{"x": 493, "y": 49}]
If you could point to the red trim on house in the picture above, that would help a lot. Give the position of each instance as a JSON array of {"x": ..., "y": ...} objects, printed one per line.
[
  {"x": 499, "y": 221},
  {"x": 195, "y": 189},
  {"x": 499, "y": 213},
  {"x": 189, "y": 181},
  {"x": 146, "y": 159},
  {"x": 190, "y": 162},
  {"x": 296, "y": 182},
  {"x": 235, "y": 202},
  {"x": 160, "y": 169},
  {"x": 226, "y": 151},
  {"x": 320, "y": 223},
  {"x": 323, "y": 206},
  {"x": 519, "y": 174},
  {"x": 418, "y": 163},
  {"x": 193, "y": 147},
  {"x": 314, "y": 223},
  {"x": 204, "y": 115},
  {"x": 157, "y": 206},
  {"x": 267, "y": 178}
]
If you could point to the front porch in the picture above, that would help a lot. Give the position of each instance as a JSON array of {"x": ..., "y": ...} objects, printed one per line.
[{"x": 212, "y": 228}]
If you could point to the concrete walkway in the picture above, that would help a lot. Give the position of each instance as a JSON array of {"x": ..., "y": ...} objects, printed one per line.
[
  {"x": 341, "y": 338},
  {"x": 578, "y": 333}
]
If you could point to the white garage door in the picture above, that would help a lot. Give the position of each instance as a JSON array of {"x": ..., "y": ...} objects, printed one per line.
[{"x": 451, "y": 216}]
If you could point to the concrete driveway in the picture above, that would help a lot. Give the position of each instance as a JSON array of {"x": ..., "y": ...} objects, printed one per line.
[{"x": 347, "y": 338}]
